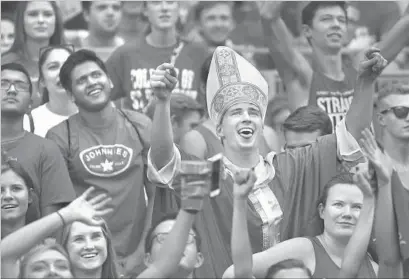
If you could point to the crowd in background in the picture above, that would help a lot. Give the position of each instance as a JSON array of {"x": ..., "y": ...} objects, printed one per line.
[{"x": 104, "y": 102}]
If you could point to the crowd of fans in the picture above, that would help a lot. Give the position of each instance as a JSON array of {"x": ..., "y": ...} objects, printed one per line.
[{"x": 204, "y": 139}]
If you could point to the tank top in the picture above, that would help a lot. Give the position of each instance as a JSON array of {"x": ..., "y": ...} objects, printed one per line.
[
  {"x": 326, "y": 268},
  {"x": 214, "y": 145},
  {"x": 333, "y": 96}
]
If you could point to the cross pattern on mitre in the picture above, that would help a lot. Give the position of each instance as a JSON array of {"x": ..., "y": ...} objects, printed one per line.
[{"x": 232, "y": 80}]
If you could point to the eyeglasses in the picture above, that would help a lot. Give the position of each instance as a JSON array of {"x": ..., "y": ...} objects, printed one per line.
[
  {"x": 20, "y": 86},
  {"x": 161, "y": 237},
  {"x": 400, "y": 112},
  {"x": 70, "y": 48}
]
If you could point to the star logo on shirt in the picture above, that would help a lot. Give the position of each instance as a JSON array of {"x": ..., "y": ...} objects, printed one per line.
[{"x": 107, "y": 166}]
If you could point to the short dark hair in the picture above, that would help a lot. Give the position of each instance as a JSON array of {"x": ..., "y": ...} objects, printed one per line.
[
  {"x": 180, "y": 104},
  {"x": 308, "y": 119},
  {"x": 86, "y": 5},
  {"x": 18, "y": 68},
  {"x": 167, "y": 217},
  {"x": 203, "y": 5},
  {"x": 342, "y": 178},
  {"x": 312, "y": 7},
  {"x": 287, "y": 264},
  {"x": 77, "y": 58}
]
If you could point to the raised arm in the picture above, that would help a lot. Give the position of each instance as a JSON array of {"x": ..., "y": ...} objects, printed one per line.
[
  {"x": 357, "y": 247},
  {"x": 396, "y": 39},
  {"x": 83, "y": 209},
  {"x": 192, "y": 195},
  {"x": 163, "y": 81},
  {"x": 292, "y": 66},
  {"x": 240, "y": 240},
  {"x": 362, "y": 104},
  {"x": 387, "y": 240}
]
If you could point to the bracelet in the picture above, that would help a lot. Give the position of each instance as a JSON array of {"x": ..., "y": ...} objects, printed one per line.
[{"x": 62, "y": 219}]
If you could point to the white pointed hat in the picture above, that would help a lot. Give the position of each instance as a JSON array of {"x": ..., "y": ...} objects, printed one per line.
[{"x": 232, "y": 80}]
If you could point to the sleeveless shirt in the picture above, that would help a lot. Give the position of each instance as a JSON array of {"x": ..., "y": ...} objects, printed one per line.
[
  {"x": 326, "y": 268},
  {"x": 333, "y": 96}
]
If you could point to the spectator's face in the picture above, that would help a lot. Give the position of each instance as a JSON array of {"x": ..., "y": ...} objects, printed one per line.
[
  {"x": 39, "y": 20},
  {"x": 104, "y": 16},
  {"x": 191, "y": 257},
  {"x": 51, "y": 70},
  {"x": 15, "y": 197},
  {"x": 162, "y": 15},
  {"x": 395, "y": 125},
  {"x": 328, "y": 28},
  {"x": 342, "y": 209},
  {"x": 15, "y": 91},
  {"x": 91, "y": 86},
  {"x": 7, "y": 34},
  {"x": 48, "y": 264},
  {"x": 190, "y": 120},
  {"x": 216, "y": 23},
  {"x": 298, "y": 139},
  {"x": 292, "y": 273},
  {"x": 86, "y": 247},
  {"x": 242, "y": 127}
]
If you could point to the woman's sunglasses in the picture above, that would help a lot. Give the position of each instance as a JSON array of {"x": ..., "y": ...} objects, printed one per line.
[{"x": 400, "y": 112}]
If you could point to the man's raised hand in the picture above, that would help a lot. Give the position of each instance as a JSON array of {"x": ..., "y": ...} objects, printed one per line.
[{"x": 163, "y": 81}]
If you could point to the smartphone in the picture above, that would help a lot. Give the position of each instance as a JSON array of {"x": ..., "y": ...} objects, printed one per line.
[{"x": 216, "y": 172}]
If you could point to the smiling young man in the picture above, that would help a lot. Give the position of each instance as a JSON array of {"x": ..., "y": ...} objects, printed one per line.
[
  {"x": 328, "y": 82},
  {"x": 40, "y": 157},
  {"x": 131, "y": 65},
  {"x": 106, "y": 148},
  {"x": 282, "y": 203},
  {"x": 215, "y": 23}
]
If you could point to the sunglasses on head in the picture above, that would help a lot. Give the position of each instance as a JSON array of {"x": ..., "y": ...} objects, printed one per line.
[
  {"x": 70, "y": 48},
  {"x": 400, "y": 112}
]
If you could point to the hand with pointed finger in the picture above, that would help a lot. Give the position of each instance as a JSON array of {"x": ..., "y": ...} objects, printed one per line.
[
  {"x": 86, "y": 209},
  {"x": 163, "y": 81},
  {"x": 243, "y": 183},
  {"x": 372, "y": 66}
]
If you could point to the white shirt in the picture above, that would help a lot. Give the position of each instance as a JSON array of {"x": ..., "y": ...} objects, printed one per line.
[{"x": 44, "y": 119}]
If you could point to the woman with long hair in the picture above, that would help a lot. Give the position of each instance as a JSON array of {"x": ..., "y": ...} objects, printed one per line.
[
  {"x": 90, "y": 250},
  {"x": 16, "y": 196},
  {"x": 344, "y": 205},
  {"x": 20, "y": 261},
  {"x": 7, "y": 32},
  {"x": 58, "y": 104},
  {"x": 38, "y": 24}
]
